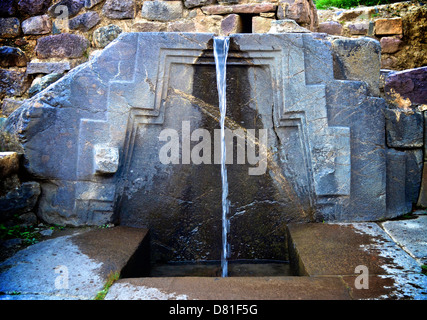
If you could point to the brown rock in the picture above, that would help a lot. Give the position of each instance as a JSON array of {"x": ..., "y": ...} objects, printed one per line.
[
  {"x": 388, "y": 26},
  {"x": 9, "y": 163},
  {"x": 10, "y": 105},
  {"x": 302, "y": 11},
  {"x": 197, "y": 3},
  {"x": 390, "y": 44},
  {"x": 63, "y": 45},
  {"x": 360, "y": 28},
  {"x": 181, "y": 26},
  {"x": 231, "y": 24},
  {"x": 119, "y": 9},
  {"x": 148, "y": 26},
  {"x": 85, "y": 21},
  {"x": 37, "y": 25},
  {"x": 208, "y": 23},
  {"x": 9, "y": 27},
  {"x": 13, "y": 83},
  {"x": 33, "y": 7},
  {"x": 7, "y": 8},
  {"x": 261, "y": 24},
  {"x": 12, "y": 57},
  {"x": 287, "y": 26},
  {"x": 162, "y": 10},
  {"x": 240, "y": 8},
  {"x": 330, "y": 27}
]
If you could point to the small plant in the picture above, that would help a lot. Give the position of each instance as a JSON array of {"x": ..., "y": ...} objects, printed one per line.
[
  {"x": 112, "y": 277},
  {"x": 57, "y": 227},
  {"x": 424, "y": 269},
  {"x": 27, "y": 234},
  {"x": 347, "y": 4}
]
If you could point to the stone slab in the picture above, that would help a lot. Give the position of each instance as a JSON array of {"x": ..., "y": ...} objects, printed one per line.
[
  {"x": 35, "y": 67},
  {"x": 337, "y": 249},
  {"x": 231, "y": 288},
  {"x": 67, "y": 267},
  {"x": 347, "y": 245},
  {"x": 410, "y": 235}
]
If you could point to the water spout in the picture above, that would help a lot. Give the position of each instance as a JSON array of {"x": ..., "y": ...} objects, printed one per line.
[{"x": 221, "y": 45}]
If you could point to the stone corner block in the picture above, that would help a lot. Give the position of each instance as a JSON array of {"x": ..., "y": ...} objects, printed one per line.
[{"x": 106, "y": 159}]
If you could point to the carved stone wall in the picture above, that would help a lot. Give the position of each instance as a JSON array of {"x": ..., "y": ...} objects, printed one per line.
[{"x": 93, "y": 141}]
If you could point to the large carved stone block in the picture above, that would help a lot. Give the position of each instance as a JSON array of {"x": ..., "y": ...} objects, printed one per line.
[{"x": 307, "y": 147}]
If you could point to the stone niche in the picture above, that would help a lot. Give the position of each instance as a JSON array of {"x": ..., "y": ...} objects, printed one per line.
[{"x": 94, "y": 138}]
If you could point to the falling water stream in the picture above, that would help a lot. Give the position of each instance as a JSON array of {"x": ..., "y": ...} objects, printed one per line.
[{"x": 221, "y": 45}]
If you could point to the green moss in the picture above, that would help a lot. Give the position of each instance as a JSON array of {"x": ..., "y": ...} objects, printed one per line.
[{"x": 112, "y": 277}]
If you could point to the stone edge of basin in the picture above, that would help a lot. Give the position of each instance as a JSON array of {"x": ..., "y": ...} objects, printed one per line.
[
  {"x": 325, "y": 256},
  {"x": 120, "y": 249}
]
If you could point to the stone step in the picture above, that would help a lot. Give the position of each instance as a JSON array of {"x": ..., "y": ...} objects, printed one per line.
[{"x": 230, "y": 288}]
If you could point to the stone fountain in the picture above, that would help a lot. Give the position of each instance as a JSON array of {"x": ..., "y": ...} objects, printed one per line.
[{"x": 130, "y": 137}]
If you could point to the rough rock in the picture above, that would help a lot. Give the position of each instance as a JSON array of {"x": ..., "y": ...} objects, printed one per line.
[
  {"x": 65, "y": 8},
  {"x": 7, "y": 8},
  {"x": 197, "y": 3},
  {"x": 388, "y": 26},
  {"x": 9, "y": 106},
  {"x": 104, "y": 35},
  {"x": 240, "y": 8},
  {"x": 396, "y": 183},
  {"x": 35, "y": 67},
  {"x": 89, "y": 4},
  {"x": 162, "y": 10},
  {"x": 84, "y": 22},
  {"x": 404, "y": 129},
  {"x": 10, "y": 27},
  {"x": 13, "y": 83},
  {"x": 43, "y": 83},
  {"x": 119, "y": 9},
  {"x": 20, "y": 200},
  {"x": 12, "y": 57},
  {"x": 330, "y": 27},
  {"x": 150, "y": 26},
  {"x": 9, "y": 164},
  {"x": 33, "y": 7},
  {"x": 232, "y": 23},
  {"x": 37, "y": 25},
  {"x": 302, "y": 11},
  {"x": 360, "y": 28},
  {"x": 208, "y": 23},
  {"x": 63, "y": 45},
  {"x": 106, "y": 159},
  {"x": 414, "y": 172},
  {"x": 390, "y": 44},
  {"x": 261, "y": 24},
  {"x": 358, "y": 59},
  {"x": 407, "y": 85},
  {"x": 180, "y": 26},
  {"x": 285, "y": 26}
]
